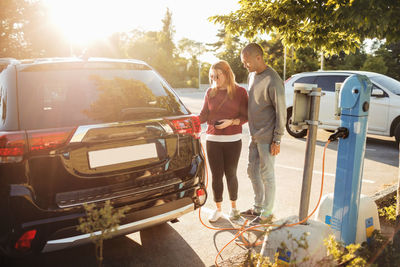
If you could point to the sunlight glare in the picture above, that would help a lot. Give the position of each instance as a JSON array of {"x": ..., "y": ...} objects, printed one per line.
[{"x": 85, "y": 21}]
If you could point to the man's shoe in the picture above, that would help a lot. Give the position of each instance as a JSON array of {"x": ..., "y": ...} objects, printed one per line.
[
  {"x": 262, "y": 220},
  {"x": 215, "y": 216},
  {"x": 234, "y": 215},
  {"x": 251, "y": 212}
]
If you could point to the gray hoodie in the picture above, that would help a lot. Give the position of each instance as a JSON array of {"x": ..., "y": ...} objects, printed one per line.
[{"x": 267, "y": 107}]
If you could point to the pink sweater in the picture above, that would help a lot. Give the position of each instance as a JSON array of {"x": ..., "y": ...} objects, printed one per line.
[{"x": 230, "y": 109}]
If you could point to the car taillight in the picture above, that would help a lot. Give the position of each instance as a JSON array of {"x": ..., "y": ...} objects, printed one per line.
[
  {"x": 25, "y": 241},
  {"x": 12, "y": 143},
  {"x": 188, "y": 125},
  {"x": 12, "y": 146},
  {"x": 40, "y": 140},
  {"x": 196, "y": 125},
  {"x": 201, "y": 195}
]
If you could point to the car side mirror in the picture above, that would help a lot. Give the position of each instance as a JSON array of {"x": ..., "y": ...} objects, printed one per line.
[{"x": 377, "y": 93}]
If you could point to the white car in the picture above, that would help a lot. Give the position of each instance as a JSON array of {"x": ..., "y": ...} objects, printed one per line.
[{"x": 384, "y": 113}]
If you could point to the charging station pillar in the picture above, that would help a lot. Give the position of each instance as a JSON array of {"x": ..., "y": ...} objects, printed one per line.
[{"x": 354, "y": 104}]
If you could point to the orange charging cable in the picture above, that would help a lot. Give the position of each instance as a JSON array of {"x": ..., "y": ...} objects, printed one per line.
[{"x": 242, "y": 229}]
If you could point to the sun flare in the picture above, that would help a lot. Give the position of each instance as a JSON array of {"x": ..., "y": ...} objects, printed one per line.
[{"x": 86, "y": 21}]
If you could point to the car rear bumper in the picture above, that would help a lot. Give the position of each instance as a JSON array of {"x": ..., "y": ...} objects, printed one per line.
[
  {"x": 58, "y": 230},
  {"x": 63, "y": 243}
]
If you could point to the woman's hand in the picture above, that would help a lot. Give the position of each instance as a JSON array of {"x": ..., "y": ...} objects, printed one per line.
[{"x": 224, "y": 123}]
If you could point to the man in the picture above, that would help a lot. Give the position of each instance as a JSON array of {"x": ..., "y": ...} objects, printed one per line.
[{"x": 267, "y": 119}]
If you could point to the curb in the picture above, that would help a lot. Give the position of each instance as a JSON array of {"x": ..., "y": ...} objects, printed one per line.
[{"x": 384, "y": 195}]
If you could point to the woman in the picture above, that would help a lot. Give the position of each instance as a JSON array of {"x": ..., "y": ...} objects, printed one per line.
[{"x": 224, "y": 110}]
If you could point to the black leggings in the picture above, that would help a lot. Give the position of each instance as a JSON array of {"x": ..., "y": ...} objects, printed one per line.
[{"x": 223, "y": 158}]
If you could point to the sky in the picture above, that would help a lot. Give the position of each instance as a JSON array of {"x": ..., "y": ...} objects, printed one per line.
[{"x": 87, "y": 20}]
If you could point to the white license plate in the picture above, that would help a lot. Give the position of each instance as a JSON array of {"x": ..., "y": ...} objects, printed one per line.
[{"x": 124, "y": 154}]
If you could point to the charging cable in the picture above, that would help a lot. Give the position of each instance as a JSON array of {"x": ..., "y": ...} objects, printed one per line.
[
  {"x": 341, "y": 132},
  {"x": 243, "y": 229}
]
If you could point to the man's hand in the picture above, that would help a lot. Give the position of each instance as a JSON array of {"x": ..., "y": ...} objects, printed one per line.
[{"x": 275, "y": 149}]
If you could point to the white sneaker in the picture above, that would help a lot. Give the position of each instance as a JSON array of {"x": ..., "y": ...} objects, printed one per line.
[
  {"x": 215, "y": 216},
  {"x": 234, "y": 215}
]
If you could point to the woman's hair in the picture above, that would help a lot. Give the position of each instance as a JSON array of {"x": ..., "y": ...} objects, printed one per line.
[{"x": 223, "y": 66}]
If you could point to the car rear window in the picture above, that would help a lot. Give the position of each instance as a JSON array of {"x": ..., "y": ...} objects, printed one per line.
[
  {"x": 72, "y": 94},
  {"x": 306, "y": 79},
  {"x": 327, "y": 82}
]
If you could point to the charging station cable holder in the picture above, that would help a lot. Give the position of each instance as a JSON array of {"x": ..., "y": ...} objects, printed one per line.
[{"x": 303, "y": 93}]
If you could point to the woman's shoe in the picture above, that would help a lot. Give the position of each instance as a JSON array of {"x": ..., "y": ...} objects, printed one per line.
[{"x": 215, "y": 216}]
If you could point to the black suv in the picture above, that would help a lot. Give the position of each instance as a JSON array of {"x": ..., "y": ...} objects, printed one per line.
[{"x": 76, "y": 131}]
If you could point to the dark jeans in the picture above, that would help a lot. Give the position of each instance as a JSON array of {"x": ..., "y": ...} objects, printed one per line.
[{"x": 223, "y": 158}]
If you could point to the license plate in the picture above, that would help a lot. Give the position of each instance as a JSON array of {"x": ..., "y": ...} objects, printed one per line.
[{"x": 105, "y": 157}]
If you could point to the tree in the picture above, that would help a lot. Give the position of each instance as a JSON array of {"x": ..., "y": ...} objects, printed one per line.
[
  {"x": 189, "y": 51},
  {"x": 228, "y": 48},
  {"x": 103, "y": 219},
  {"x": 25, "y": 31},
  {"x": 375, "y": 64},
  {"x": 391, "y": 56},
  {"x": 352, "y": 61},
  {"x": 324, "y": 25}
]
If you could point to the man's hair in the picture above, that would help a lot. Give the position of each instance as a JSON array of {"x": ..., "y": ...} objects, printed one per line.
[{"x": 253, "y": 49}]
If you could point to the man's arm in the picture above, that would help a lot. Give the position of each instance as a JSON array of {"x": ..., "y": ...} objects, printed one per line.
[{"x": 278, "y": 100}]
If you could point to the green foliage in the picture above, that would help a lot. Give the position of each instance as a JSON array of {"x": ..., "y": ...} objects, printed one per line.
[
  {"x": 327, "y": 25},
  {"x": 390, "y": 52},
  {"x": 375, "y": 64},
  {"x": 341, "y": 255},
  {"x": 378, "y": 251},
  {"x": 228, "y": 48},
  {"x": 389, "y": 212},
  {"x": 25, "y": 31},
  {"x": 100, "y": 223}
]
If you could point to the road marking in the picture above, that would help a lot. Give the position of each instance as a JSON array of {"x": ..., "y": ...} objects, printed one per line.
[
  {"x": 319, "y": 172},
  {"x": 368, "y": 181},
  {"x": 301, "y": 169},
  {"x": 370, "y": 149}
]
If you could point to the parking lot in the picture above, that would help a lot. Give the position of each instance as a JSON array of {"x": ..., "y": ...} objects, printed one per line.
[{"x": 188, "y": 243}]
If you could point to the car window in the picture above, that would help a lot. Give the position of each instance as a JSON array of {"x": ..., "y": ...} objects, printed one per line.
[
  {"x": 327, "y": 82},
  {"x": 388, "y": 83},
  {"x": 62, "y": 97},
  {"x": 306, "y": 79},
  {"x": 374, "y": 86}
]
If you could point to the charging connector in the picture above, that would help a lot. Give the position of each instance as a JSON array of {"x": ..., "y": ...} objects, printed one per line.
[{"x": 341, "y": 132}]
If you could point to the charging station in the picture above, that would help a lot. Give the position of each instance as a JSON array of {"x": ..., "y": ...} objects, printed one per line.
[
  {"x": 351, "y": 219},
  {"x": 340, "y": 212}
]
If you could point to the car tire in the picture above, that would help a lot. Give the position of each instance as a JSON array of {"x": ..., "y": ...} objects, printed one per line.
[
  {"x": 293, "y": 132},
  {"x": 397, "y": 133}
]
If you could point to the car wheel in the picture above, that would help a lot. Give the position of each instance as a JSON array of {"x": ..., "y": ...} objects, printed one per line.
[
  {"x": 290, "y": 129},
  {"x": 397, "y": 133}
]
